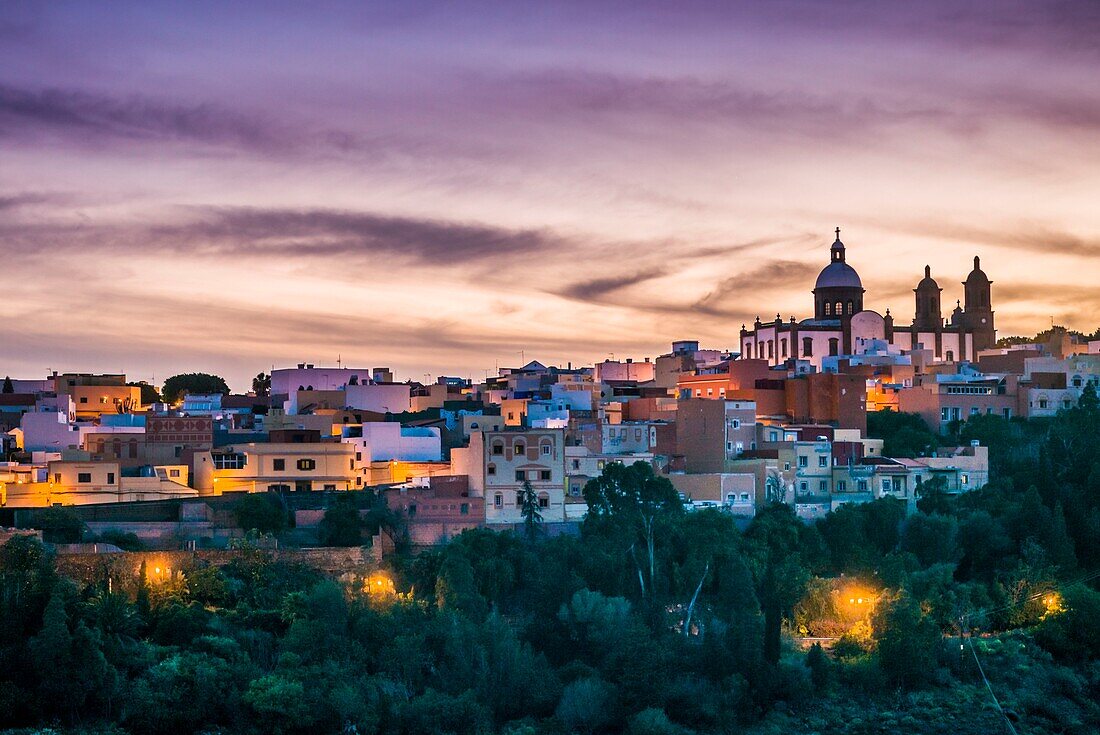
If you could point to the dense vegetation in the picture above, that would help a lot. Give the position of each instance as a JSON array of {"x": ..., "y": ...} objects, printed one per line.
[{"x": 652, "y": 620}]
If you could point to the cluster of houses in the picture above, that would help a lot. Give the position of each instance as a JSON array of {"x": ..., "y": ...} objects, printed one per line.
[{"x": 783, "y": 419}]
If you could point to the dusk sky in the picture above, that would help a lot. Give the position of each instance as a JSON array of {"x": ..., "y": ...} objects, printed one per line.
[{"x": 436, "y": 186}]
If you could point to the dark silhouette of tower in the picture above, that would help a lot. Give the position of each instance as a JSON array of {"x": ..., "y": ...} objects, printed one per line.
[
  {"x": 978, "y": 307},
  {"x": 928, "y": 316}
]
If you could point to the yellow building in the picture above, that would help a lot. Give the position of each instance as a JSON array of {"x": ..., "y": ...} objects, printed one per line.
[
  {"x": 260, "y": 467},
  {"x": 75, "y": 482}
]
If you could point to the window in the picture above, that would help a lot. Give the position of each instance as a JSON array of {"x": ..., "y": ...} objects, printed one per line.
[
  {"x": 110, "y": 478},
  {"x": 498, "y": 447},
  {"x": 545, "y": 449},
  {"x": 887, "y": 486},
  {"x": 464, "y": 509},
  {"x": 783, "y": 346},
  {"x": 544, "y": 475},
  {"x": 828, "y": 309},
  {"x": 519, "y": 500},
  {"x": 822, "y": 461},
  {"x": 964, "y": 479},
  {"x": 807, "y": 347},
  {"x": 787, "y": 466},
  {"x": 351, "y": 464},
  {"x": 491, "y": 469},
  {"x": 861, "y": 485},
  {"x": 950, "y": 356},
  {"x": 498, "y": 500},
  {"x": 521, "y": 475},
  {"x": 330, "y": 488},
  {"x": 804, "y": 487},
  {"x": 307, "y": 464},
  {"x": 850, "y": 308},
  {"x": 823, "y": 486},
  {"x": 576, "y": 464},
  {"x": 57, "y": 477},
  {"x": 84, "y": 477},
  {"x": 803, "y": 460},
  {"x": 544, "y": 500},
  {"x": 841, "y": 486},
  {"x": 834, "y": 346},
  {"x": 84, "y": 399},
  {"x": 519, "y": 448},
  {"x": 278, "y": 464},
  {"x": 232, "y": 461},
  {"x": 736, "y": 423},
  {"x": 358, "y": 456},
  {"x": 744, "y": 497},
  {"x": 710, "y": 392}
]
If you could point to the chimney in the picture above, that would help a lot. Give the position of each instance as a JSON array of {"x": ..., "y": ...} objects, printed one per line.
[{"x": 301, "y": 366}]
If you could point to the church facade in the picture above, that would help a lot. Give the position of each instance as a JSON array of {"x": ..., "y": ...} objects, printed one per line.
[{"x": 842, "y": 326}]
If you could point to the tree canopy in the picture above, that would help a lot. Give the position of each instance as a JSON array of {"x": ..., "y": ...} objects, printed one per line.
[{"x": 177, "y": 385}]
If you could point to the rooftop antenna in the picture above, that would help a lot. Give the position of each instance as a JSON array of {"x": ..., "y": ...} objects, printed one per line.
[{"x": 339, "y": 362}]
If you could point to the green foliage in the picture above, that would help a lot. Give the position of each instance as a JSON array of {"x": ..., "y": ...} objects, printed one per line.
[
  {"x": 529, "y": 510},
  {"x": 342, "y": 524},
  {"x": 177, "y": 385},
  {"x": 59, "y": 525},
  {"x": 907, "y": 643},
  {"x": 820, "y": 668},
  {"x": 587, "y": 705},
  {"x": 125, "y": 540},
  {"x": 260, "y": 512},
  {"x": 261, "y": 385},
  {"x": 149, "y": 393},
  {"x": 1070, "y": 628},
  {"x": 903, "y": 434}
]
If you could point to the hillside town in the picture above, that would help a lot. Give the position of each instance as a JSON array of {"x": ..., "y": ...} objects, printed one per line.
[{"x": 783, "y": 418}]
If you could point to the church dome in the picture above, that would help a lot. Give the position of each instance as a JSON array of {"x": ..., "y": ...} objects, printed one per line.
[
  {"x": 977, "y": 275},
  {"x": 928, "y": 283},
  {"x": 838, "y": 274}
]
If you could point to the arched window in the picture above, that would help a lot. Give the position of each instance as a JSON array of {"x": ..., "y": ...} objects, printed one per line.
[
  {"x": 1077, "y": 381},
  {"x": 951, "y": 356},
  {"x": 783, "y": 346},
  {"x": 828, "y": 308},
  {"x": 834, "y": 346},
  {"x": 519, "y": 447},
  {"x": 807, "y": 347},
  {"x": 839, "y": 308},
  {"x": 498, "y": 446},
  {"x": 850, "y": 305}
]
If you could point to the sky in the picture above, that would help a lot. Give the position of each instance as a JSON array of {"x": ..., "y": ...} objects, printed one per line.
[{"x": 448, "y": 187}]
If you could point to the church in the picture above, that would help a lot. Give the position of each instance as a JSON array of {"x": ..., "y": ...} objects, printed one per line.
[{"x": 841, "y": 326}]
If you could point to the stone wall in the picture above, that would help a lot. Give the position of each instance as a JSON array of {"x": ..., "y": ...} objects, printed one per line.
[{"x": 88, "y": 567}]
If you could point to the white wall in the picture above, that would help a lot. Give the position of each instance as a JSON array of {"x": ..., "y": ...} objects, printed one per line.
[
  {"x": 286, "y": 380},
  {"x": 48, "y": 432},
  {"x": 381, "y": 398}
]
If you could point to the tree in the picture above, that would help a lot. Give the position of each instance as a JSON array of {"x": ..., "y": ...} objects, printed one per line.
[
  {"x": 259, "y": 512},
  {"x": 178, "y": 385},
  {"x": 261, "y": 385},
  {"x": 529, "y": 509},
  {"x": 636, "y": 498},
  {"x": 932, "y": 539},
  {"x": 149, "y": 393},
  {"x": 586, "y": 705},
  {"x": 342, "y": 525},
  {"x": 8, "y": 387},
  {"x": 820, "y": 668},
  {"x": 59, "y": 525},
  {"x": 903, "y": 434},
  {"x": 1071, "y": 628},
  {"x": 907, "y": 642},
  {"x": 779, "y": 570}
]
